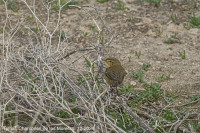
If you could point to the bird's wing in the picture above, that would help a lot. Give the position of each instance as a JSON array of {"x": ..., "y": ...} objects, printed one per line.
[{"x": 113, "y": 74}]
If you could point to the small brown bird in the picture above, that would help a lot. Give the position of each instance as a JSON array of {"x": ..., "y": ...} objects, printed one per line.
[{"x": 114, "y": 73}]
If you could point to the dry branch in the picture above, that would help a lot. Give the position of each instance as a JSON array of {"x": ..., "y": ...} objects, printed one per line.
[
  {"x": 184, "y": 118},
  {"x": 144, "y": 125},
  {"x": 77, "y": 50},
  {"x": 186, "y": 104},
  {"x": 144, "y": 114},
  {"x": 191, "y": 128}
]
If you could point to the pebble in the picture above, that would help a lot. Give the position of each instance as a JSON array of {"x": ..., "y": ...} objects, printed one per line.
[{"x": 133, "y": 83}]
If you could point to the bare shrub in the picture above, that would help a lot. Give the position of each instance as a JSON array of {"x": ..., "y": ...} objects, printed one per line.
[{"x": 45, "y": 81}]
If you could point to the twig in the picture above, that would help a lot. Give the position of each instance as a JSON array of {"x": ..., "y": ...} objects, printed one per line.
[
  {"x": 72, "y": 52},
  {"x": 184, "y": 130},
  {"x": 175, "y": 106},
  {"x": 145, "y": 114},
  {"x": 135, "y": 116},
  {"x": 191, "y": 128},
  {"x": 180, "y": 122}
]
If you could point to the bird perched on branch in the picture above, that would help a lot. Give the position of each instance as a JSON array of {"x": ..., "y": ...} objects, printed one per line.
[{"x": 114, "y": 73}]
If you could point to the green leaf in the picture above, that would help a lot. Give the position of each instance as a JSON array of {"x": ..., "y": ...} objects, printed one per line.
[{"x": 88, "y": 62}]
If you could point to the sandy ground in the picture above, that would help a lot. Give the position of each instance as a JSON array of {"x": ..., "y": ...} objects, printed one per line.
[{"x": 139, "y": 27}]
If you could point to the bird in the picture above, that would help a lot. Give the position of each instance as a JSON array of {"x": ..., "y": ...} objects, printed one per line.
[{"x": 114, "y": 73}]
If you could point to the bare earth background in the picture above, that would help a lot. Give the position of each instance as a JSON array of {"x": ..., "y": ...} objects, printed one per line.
[{"x": 141, "y": 27}]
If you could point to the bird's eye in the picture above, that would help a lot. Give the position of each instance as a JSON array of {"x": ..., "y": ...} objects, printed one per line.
[{"x": 110, "y": 61}]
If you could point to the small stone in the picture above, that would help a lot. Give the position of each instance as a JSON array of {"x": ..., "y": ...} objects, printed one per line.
[
  {"x": 166, "y": 58},
  {"x": 139, "y": 89},
  {"x": 173, "y": 58},
  {"x": 159, "y": 62},
  {"x": 133, "y": 83}
]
